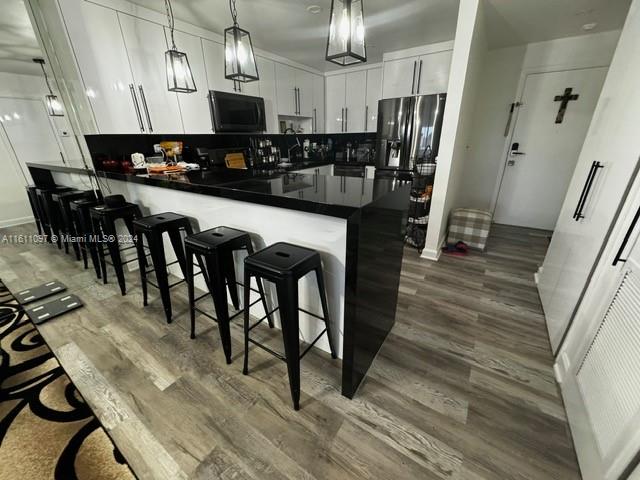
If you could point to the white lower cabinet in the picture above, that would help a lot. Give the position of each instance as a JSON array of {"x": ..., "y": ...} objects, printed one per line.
[
  {"x": 146, "y": 44},
  {"x": 194, "y": 107}
]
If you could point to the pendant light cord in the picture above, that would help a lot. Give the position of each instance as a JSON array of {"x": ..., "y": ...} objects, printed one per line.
[
  {"x": 234, "y": 12},
  {"x": 171, "y": 21}
]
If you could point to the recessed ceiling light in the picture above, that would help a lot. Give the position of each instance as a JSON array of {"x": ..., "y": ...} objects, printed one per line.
[
  {"x": 315, "y": 9},
  {"x": 589, "y": 26}
]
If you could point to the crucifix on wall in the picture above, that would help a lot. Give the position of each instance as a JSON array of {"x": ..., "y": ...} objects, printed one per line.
[{"x": 565, "y": 99}]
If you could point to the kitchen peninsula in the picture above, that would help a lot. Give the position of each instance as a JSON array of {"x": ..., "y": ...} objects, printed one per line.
[{"x": 355, "y": 223}]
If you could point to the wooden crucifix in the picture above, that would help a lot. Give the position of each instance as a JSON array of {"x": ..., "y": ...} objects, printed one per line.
[{"x": 565, "y": 99}]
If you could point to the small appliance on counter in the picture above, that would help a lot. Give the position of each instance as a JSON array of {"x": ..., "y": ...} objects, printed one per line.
[{"x": 265, "y": 153}]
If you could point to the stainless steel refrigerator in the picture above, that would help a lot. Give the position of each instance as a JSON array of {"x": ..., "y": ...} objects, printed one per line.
[{"x": 408, "y": 133}]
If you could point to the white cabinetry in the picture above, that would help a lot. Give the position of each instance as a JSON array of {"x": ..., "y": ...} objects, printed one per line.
[
  {"x": 146, "y": 44},
  {"x": 214, "y": 65},
  {"x": 374, "y": 94},
  {"x": 317, "y": 118},
  {"x": 94, "y": 32},
  {"x": 194, "y": 107},
  {"x": 335, "y": 95},
  {"x": 355, "y": 101},
  {"x": 417, "y": 75},
  {"x": 295, "y": 91},
  {"x": 267, "y": 72},
  {"x": 347, "y": 96}
]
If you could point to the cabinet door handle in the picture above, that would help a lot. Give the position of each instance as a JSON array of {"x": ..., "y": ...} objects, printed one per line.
[
  {"x": 586, "y": 190},
  {"x": 346, "y": 119},
  {"x": 342, "y": 120},
  {"x": 136, "y": 106},
  {"x": 295, "y": 100},
  {"x": 419, "y": 77},
  {"x": 64, "y": 162},
  {"x": 313, "y": 122},
  {"x": 413, "y": 78},
  {"x": 632, "y": 227},
  {"x": 299, "y": 102},
  {"x": 366, "y": 118},
  {"x": 146, "y": 108}
]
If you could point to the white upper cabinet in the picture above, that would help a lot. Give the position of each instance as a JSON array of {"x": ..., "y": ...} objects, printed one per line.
[
  {"x": 355, "y": 101},
  {"x": 267, "y": 72},
  {"x": 374, "y": 94},
  {"x": 433, "y": 73},
  {"x": 335, "y": 96},
  {"x": 194, "y": 107},
  {"x": 318, "y": 104},
  {"x": 146, "y": 45},
  {"x": 105, "y": 71},
  {"x": 420, "y": 75},
  {"x": 214, "y": 65},
  {"x": 304, "y": 82},
  {"x": 287, "y": 90}
]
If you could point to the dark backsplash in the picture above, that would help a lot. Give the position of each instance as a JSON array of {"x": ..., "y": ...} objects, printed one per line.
[{"x": 119, "y": 147}]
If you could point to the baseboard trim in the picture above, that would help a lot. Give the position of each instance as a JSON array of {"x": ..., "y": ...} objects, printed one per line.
[
  {"x": 12, "y": 222},
  {"x": 433, "y": 255}
]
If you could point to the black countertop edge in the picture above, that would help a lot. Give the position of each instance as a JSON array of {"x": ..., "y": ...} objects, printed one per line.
[
  {"x": 339, "y": 211},
  {"x": 62, "y": 169}
]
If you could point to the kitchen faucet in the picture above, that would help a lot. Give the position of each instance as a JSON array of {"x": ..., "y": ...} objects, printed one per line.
[{"x": 294, "y": 146}]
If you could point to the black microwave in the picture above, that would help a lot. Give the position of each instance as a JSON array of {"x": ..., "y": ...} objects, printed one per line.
[{"x": 232, "y": 112}]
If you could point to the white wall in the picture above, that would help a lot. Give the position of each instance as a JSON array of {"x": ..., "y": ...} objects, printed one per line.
[
  {"x": 469, "y": 51},
  {"x": 502, "y": 80}
]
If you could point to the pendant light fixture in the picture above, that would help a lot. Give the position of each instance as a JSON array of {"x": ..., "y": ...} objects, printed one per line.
[
  {"x": 54, "y": 107},
  {"x": 345, "y": 44},
  {"x": 239, "y": 61},
  {"x": 179, "y": 75}
]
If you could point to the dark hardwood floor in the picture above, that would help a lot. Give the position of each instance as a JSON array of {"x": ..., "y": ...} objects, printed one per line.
[{"x": 463, "y": 388}]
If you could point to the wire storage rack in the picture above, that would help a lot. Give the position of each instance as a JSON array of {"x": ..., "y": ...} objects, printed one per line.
[{"x": 420, "y": 204}]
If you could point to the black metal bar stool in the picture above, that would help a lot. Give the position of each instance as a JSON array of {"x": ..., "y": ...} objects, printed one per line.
[
  {"x": 48, "y": 212},
  {"x": 215, "y": 249},
  {"x": 33, "y": 202},
  {"x": 104, "y": 223},
  {"x": 285, "y": 264},
  {"x": 153, "y": 227},
  {"x": 61, "y": 204},
  {"x": 83, "y": 226}
]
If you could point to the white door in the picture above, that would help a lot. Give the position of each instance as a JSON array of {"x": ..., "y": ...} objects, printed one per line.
[
  {"x": 268, "y": 91},
  {"x": 399, "y": 77},
  {"x": 546, "y": 144},
  {"x": 601, "y": 388},
  {"x": 355, "y": 101},
  {"x": 102, "y": 58},
  {"x": 335, "y": 99},
  {"x": 214, "y": 66},
  {"x": 287, "y": 89},
  {"x": 613, "y": 141},
  {"x": 432, "y": 73},
  {"x": 318, "y": 104},
  {"x": 304, "y": 82},
  {"x": 194, "y": 107},
  {"x": 146, "y": 45},
  {"x": 374, "y": 94},
  {"x": 30, "y": 132}
]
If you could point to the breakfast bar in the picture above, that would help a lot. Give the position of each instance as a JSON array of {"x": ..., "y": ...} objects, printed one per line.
[{"x": 356, "y": 224}]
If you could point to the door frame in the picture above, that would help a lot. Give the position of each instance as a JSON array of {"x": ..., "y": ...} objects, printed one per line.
[{"x": 526, "y": 71}]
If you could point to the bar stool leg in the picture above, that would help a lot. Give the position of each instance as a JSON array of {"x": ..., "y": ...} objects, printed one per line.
[
  {"x": 142, "y": 266},
  {"x": 263, "y": 297},
  {"x": 100, "y": 251},
  {"x": 325, "y": 310},
  {"x": 219, "y": 294},
  {"x": 288, "y": 303},
  {"x": 247, "y": 282},
  {"x": 229, "y": 267},
  {"x": 190, "y": 287},
  {"x": 114, "y": 251},
  {"x": 156, "y": 245},
  {"x": 176, "y": 242}
]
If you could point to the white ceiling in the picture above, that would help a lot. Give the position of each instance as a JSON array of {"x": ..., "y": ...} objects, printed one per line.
[
  {"x": 285, "y": 27},
  {"x": 18, "y": 44},
  {"x": 516, "y": 22}
]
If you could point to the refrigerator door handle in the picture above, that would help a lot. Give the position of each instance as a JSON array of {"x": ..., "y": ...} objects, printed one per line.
[{"x": 413, "y": 81}]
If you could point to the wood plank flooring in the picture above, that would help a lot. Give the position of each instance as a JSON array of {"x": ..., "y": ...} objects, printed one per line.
[{"x": 463, "y": 388}]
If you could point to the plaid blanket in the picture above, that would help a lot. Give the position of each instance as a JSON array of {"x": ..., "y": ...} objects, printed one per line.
[{"x": 469, "y": 226}]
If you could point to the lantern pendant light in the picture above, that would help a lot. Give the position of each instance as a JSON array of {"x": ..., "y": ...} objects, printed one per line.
[
  {"x": 345, "y": 44},
  {"x": 179, "y": 75},
  {"x": 239, "y": 61},
  {"x": 54, "y": 107}
]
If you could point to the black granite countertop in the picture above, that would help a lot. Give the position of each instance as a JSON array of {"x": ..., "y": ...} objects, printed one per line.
[{"x": 283, "y": 187}]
